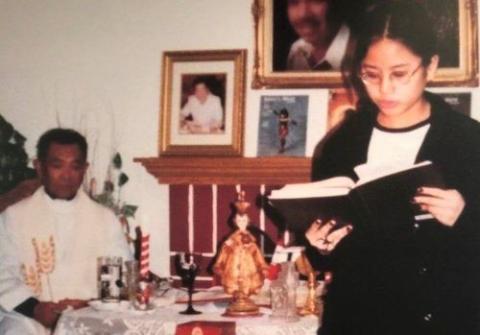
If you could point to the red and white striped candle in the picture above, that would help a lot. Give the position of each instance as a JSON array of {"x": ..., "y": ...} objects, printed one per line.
[{"x": 144, "y": 255}]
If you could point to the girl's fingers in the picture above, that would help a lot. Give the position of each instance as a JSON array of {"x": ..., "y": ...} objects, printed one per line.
[
  {"x": 313, "y": 232},
  {"x": 431, "y": 191},
  {"x": 445, "y": 205},
  {"x": 339, "y": 234},
  {"x": 327, "y": 228},
  {"x": 327, "y": 244},
  {"x": 431, "y": 201},
  {"x": 318, "y": 231}
]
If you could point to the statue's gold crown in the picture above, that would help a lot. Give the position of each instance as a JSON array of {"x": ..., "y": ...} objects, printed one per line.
[{"x": 241, "y": 205}]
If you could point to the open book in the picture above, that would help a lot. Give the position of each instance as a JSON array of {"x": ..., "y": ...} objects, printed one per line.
[{"x": 379, "y": 197}]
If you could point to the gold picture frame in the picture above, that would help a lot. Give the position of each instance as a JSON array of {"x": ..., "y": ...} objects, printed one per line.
[
  {"x": 190, "y": 126},
  {"x": 268, "y": 71}
]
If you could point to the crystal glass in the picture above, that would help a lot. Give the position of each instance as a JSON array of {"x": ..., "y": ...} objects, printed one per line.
[
  {"x": 279, "y": 300},
  {"x": 109, "y": 277},
  {"x": 143, "y": 293},
  {"x": 283, "y": 294},
  {"x": 131, "y": 277},
  {"x": 291, "y": 282}
]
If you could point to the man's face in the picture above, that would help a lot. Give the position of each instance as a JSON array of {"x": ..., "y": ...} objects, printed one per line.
[
  {"x": 309, "y": 19},
  {"x": 62, "y": 171},
  {"x": 201, "y": 92}
]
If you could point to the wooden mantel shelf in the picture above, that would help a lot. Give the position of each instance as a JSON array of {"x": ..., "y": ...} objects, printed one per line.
[{"x": 228, "y": 170}]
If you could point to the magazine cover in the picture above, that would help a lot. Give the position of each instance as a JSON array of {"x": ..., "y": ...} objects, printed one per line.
[{"x": 283, "y": 125}]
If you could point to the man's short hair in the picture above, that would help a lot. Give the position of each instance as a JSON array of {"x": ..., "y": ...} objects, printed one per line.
[
  {"x": 202, "y": 80},
  {"x": 61, "y": 136}
]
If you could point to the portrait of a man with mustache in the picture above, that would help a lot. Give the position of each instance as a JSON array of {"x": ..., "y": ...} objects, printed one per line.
[{"x": 322, "y": 36}]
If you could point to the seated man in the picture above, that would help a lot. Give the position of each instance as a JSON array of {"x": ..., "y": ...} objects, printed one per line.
[
  {"x": 50, "y": 241},
  {"x": 203, "y": 112}
]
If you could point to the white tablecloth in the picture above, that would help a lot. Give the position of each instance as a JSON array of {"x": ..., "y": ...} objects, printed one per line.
[{"x": 163, "y": 321}]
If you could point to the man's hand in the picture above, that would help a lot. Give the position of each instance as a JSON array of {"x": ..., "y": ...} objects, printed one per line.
[{"x": 47, "y": 313}]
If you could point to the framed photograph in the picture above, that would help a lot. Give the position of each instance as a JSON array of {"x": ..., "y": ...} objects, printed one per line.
[
  {"x": 284, "y": 57},
  {"x": 341, "y": 103},
  {"x": 459, "y": 101},
  {"x": 282, "y": 125},
  {"x": 202, "y": 107}
]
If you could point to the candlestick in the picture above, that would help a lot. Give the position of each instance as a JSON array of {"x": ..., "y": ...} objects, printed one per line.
[{"x": 144, "y": 255}]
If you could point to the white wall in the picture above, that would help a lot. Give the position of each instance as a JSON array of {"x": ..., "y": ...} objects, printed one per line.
[{"x": 96, "y": 65}]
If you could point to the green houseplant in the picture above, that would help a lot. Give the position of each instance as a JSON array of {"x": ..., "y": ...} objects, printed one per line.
[
  {"x": 13, "y": 158},
  {"x": 110, "y": 195}
]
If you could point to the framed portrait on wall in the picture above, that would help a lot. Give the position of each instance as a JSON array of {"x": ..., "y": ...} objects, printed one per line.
[
  {"x": 202, "y": 103},
  {"x": 287, "y": 52},
  {"x": 455, "y": 22}
]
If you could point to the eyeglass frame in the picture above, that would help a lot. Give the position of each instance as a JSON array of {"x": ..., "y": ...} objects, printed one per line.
[{"x": 395, "y": 83}]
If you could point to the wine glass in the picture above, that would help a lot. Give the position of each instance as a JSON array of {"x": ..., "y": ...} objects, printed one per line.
[{"x": 188, "y": 267}]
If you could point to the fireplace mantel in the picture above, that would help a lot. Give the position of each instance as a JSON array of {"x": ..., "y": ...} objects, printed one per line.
[{"x": 228, "y": 170}]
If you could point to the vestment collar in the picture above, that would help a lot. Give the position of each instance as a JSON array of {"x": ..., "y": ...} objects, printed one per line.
[{"x": 60, "y": 205}]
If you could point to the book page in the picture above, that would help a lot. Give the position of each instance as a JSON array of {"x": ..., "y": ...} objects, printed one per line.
[
  {"x": 367, "y": 173},
  {"x": 335, "y": 186}
]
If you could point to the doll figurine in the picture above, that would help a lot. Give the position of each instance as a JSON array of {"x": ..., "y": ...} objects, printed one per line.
[
  {"x": 283, "y": 124},
  {"x": 240, "y": 264}
]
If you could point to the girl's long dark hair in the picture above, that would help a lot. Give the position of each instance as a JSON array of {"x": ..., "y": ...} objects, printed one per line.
[{"x": 405, "y": 21}]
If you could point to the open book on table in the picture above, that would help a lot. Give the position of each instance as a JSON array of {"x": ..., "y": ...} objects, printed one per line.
[{"x": 378, "y": 198}]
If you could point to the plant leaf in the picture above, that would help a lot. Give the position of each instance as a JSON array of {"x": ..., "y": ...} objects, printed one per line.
[
  {"x": 129, "y": 210},
  {"x": 117, "y": 161},
  {"x": 18, "y": 138},
  {"x": 122, "y": 179},
  {"x": 6, "y": 130}
]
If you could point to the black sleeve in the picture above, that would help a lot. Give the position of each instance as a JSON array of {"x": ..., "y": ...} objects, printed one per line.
[
  {"x": 338, "y": 151},
  {"x": 27, "y": 307},
  {"x": 462, "y": 166},
  {"x": 322, "y": 158}
]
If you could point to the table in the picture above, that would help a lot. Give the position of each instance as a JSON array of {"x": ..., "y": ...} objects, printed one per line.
[{"x": 163, "y": 321}]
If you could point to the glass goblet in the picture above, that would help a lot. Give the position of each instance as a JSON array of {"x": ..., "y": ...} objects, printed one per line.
[{"x": 187, "y": 267}]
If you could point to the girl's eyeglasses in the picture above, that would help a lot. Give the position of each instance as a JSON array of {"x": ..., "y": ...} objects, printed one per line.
[{"x": 396, "y": 77}]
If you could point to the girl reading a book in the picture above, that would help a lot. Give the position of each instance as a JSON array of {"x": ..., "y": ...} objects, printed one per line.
[{"x": 412, "y": 277}]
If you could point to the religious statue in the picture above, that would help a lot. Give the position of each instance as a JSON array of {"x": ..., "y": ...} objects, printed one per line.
[{"x": 240, "y": 264}]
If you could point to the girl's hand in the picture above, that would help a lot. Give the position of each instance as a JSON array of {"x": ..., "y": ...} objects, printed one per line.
[
  {"x": 321, "y": 236},
  {"x": 445, "y": 205}
]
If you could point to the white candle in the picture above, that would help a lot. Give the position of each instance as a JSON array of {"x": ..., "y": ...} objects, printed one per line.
[
  {"x": 145, "y": 255},
  {"x": 190, "y": 218},
  {"x": 286, "y": 238},
  {"x": 144, "y": 246}
]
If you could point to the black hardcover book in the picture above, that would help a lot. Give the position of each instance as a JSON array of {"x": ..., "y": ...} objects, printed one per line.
[{"x": 374, "y": 202}]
